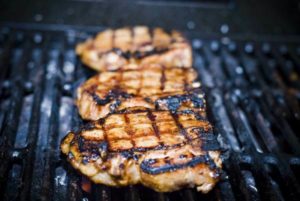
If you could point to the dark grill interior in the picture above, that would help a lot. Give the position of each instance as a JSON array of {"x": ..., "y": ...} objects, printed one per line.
[{"x": 252, "y": 90}]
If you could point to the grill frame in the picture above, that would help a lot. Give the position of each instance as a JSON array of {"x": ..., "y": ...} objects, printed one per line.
[{"x": 39, "y": 73}]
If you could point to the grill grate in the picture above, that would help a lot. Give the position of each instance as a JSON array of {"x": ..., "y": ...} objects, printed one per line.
[{"x": 253, "y": 100}]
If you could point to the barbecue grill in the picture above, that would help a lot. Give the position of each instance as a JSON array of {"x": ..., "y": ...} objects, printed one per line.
[{"x": 252, "y": 89}]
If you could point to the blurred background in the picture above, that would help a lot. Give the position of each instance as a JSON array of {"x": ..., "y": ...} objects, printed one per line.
[{"x": 205, "y": 16}]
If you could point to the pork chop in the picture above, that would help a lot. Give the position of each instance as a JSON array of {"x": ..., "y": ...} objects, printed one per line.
[
  {"x": 159, "y": 149},
  {"x": 153, "y": 86},
  {"x": 112, "y": 49}
]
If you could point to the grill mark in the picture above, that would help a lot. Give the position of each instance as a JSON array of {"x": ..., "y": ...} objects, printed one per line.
[
  {"x": 184, "y": 71},
  {"x": 182, "y": 131},
  {"x": 142, "y": 149},
  {"x": 128, "y": 129},
  {"x": 207, "y": 142},
  {"x": 128, "y": 111},
  {"x": 116, "y": 91},
  {"x": 141, "y": 82},
  {"x": 87, "y": 126},
  {"x": 118, "y": 95},
  {"x": 146, "y": 165},
  {"x": 98, "y": 100},
  {"x": 154, "y": 126},
  {"x": 137, "y": 54},
  {"x": 113, "y": 94},
  {"x": 141, "y": 55}
]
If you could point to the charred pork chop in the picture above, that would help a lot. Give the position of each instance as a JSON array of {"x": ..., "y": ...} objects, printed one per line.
[
  {"x": 159, "y": 149},
  {"x": 112, "y": 49},
  {"x": 152, "y": 87}
]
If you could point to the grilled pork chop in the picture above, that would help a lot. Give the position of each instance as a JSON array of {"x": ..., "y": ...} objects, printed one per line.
[
  {"x": 152, "y": 86},
  {"x": 159, "y": 149},
  {"x": 112, "y": 49}
]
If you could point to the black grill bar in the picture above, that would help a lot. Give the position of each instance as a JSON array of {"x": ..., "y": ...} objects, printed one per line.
[
  {"x": 254, "y": 113},
  {"x": 28, "y": 162},
  {"x": 252, "y": 91},
  {"x": 9, "y": 126}
]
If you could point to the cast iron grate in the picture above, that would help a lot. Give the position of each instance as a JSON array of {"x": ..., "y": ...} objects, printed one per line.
[{"x": 253, "y": 97}]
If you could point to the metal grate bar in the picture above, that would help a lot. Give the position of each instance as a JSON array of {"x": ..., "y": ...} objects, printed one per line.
[{"x": 253, "y": 101}]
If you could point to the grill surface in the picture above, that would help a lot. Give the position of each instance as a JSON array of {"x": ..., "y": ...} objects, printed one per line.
[{"x": 253, "y": 97}]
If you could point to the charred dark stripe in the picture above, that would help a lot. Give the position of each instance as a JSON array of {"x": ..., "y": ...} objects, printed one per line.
[
  {"x": 127, "y": 154},
  {"x": 136, "y": 54},
  {"x": 141, "y": 149},
  {"x": 146, "y": 165},
  {"x": 87, "y": 126},
  {"x": 153, "y": 122},
  {"x": 209, "y": 141},
  {"x": 130, "y": 111},
  {"x": 159, "y": 147},
  {"x": 141, "y": 55},
  {"x": 117, "y": 92},
  {"x": 99, "y": 100},
  {"x": 114, "y": 106},
  {"x": 141, "y": 110},
  {"x": 151, "y": 34},
  {"x": 148, "y": 100},
  {"x": 81, "y": 144},
  {"x": 128, "y": 128},
  {"x": 174, "y": 102},
  {"x": 112, "y": 95},
  {"x": 103, "y": 148},
  {"x": 178, "y": 124},
  {"x": 186, "y": 85},
  {"x": 121, "y": 53}
]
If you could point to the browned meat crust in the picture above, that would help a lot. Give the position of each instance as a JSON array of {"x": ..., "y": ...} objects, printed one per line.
[
  {"x": 112, "y": 49},
  {"x": 152, "y": 86},
  {"x": 162, "y": 150},
  {"x": 149, "y": 121}
]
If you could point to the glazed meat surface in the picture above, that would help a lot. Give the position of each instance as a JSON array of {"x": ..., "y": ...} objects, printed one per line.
[
  {"x": 159, "y": 149},
  {"x": 147, "y": 114},
  {"x": 153, "y": 86},
  {"x": 112, "y": 49}
]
